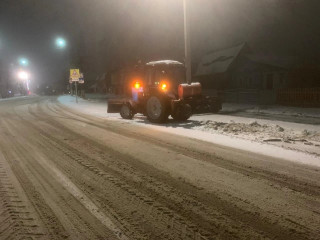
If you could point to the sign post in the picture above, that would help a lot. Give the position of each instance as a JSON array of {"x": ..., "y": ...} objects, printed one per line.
[
  {"x": 74, "y": 76},
  {"x": 76, "y": 92},
  {"x": 81, "y": 78},
  {"x": 70, "y": 87}
]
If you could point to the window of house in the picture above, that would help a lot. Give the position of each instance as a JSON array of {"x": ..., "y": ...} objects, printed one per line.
[
  {"x": 281, "y": 79},
  {"x": 239, "y": 82},
  {"x": 250, "y": 82},
  {"x": 270, "y": 81}
]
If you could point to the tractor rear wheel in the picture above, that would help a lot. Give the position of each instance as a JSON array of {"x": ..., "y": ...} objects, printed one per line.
[
  {"x": 182, "y": 113},
  {"x": 157, "y": 109},
  {"x": 126, "y": 111}
]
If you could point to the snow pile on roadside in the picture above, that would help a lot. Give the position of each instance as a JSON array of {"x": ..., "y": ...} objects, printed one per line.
[
  {"x": 16, "y": 96},
  {"x": 100, "y": 97},
  {"x": 301, "y": 140},
  {"x": 257, "y": 131},
  {"x": 271, "y": 110}
]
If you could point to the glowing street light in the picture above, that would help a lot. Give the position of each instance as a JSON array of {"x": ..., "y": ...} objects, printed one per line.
[
  {"x": 23, "y": 75},
  {"x": 61, "y": 43},
  {"x": 25, "y": 81},
  {"x": 23, "y": 62}
]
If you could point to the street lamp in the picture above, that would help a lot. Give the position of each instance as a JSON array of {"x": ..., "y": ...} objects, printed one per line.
[
  {"x": 61, "y": 43},
  {"x": 22, "y": 75},
  {"x": 23, "y": 62}
]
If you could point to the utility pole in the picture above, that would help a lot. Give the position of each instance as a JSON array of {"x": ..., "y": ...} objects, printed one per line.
[{"x": 187, "y": 45}]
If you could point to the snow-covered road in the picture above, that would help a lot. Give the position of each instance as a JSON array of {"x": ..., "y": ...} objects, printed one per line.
[{"x": 67, "y": 174}]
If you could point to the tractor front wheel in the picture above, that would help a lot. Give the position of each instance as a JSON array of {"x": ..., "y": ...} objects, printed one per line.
[
  {"x": 126, "y": 111},
  {"x": 182, "y": 112},
  {"x": 157, "y": 109}
]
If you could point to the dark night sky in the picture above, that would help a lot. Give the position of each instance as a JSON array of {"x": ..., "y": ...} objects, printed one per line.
[{"x": 106, "y": 33}]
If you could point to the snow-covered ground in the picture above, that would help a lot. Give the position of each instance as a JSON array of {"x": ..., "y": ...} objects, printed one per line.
[
  {"x": 289, "y": 140},
  {"x": 14, "y": 97},
  {"x": 274, "y": 110}
]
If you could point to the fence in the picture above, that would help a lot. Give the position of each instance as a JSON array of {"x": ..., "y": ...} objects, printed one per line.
[
  {"x": 301, "y": 97},
  {"x": 252, "y": 96}
]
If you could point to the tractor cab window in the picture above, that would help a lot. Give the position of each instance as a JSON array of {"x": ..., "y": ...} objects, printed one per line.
[
  {"x": 149, "y": 76},
  {"x": 174, "y": 75},
  {"x": 159, "y": 76}
]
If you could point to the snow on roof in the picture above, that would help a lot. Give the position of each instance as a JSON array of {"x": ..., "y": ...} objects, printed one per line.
[
  {"x": 272, "y": 60},
  {"x": 164, "y": 62},
  {"x": 218, "y": 61}
]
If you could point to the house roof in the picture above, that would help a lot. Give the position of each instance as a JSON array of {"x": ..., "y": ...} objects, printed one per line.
[{"x": 218, "y": 61}]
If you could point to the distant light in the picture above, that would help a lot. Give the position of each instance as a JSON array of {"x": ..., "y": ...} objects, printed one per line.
[
  {"x": 23, "y": 62},
  {"x": 61, "y": 43},
  {"x": 23, "y": 75}
]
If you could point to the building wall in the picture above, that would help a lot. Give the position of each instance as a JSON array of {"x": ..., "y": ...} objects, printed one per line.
[
  {"x": 274, "y": 80},
  {"x": 247, "y": 81},
  {"x": 252, "y": 75}
]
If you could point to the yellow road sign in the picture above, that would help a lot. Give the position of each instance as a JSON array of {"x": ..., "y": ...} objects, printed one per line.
[{"x": 75, "y": 74}]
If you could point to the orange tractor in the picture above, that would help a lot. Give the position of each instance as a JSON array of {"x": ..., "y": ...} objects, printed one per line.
[{"x": 160, "y": 91}]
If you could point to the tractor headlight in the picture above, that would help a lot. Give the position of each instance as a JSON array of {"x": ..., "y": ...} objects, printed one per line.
[
  {"x": 164, "y": 86},
  {"x": 137, "y": 85}
]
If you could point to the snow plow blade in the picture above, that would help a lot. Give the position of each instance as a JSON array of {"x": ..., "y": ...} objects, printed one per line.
[
  {"x": 114, "y": 105},
  {"x": 207, "y": 104}
]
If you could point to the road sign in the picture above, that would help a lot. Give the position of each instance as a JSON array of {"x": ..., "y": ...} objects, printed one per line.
[
  {"x": 81, "y": 79},
  {"x": 75, "y": 75}
]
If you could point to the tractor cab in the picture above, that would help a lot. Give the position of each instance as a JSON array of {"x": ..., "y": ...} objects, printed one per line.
[
  {"x": 162, "y": 77},
  {"x": 165, "y": 76},
  {"x": 160, "y": 90}
]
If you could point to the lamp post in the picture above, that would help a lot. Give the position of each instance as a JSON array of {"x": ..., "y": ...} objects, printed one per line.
[
  {"x": 61, "y": 43},
  {"x": 187, "y": 44}
]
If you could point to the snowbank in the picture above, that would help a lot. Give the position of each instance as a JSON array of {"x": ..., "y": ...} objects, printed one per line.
[
  {"x": 16, "y": 96},
  {"x": 229, "y": 108}
]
